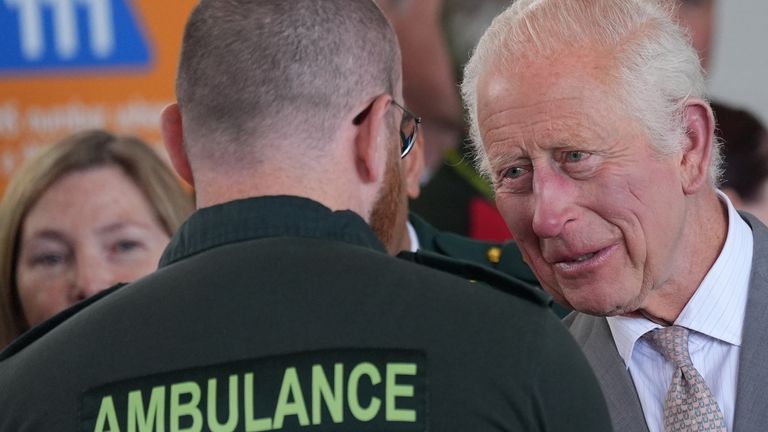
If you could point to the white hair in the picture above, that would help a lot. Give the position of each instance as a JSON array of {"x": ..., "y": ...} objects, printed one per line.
[{"x": 657, "y": 69}]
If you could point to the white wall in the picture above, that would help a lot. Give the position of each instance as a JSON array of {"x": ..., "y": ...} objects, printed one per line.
[{"x": 739, "y": 64}]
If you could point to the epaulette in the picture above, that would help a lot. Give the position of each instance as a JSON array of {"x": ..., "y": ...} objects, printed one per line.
[
  {"x": 43, "y": 328},
  {"x": 505, "y": 258},
  {"x": 476, "y": 273}
]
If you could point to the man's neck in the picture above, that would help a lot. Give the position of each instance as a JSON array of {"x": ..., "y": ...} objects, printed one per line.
[
  {"x": 705, "y": 236},
  {"x": 332, "y": 191}
]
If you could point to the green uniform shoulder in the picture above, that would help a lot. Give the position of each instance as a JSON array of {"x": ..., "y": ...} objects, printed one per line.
[
  {"x": 480, "y": 274},
  {"x": 505, "y": 258},
  {"x": 42, "y": 329}
]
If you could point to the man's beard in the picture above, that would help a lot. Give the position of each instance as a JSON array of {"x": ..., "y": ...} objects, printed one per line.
[{"x": 388, "y": 206}]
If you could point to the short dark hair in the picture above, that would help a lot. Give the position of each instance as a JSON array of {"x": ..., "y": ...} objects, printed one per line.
[{"x": 254, "y": 69}]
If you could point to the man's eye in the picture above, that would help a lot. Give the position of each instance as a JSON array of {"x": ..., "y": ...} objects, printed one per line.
[
  {"x": 514, "y": 172},
  {"x": 575, "y": 156}
]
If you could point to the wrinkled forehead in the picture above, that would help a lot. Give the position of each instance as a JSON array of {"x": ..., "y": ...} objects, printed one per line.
[
  {"x": 559, "y": 85},
  {"x": 546, "y": 109}
]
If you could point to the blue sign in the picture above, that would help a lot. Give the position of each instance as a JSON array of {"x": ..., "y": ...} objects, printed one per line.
[{"x": 59, "y": 36}]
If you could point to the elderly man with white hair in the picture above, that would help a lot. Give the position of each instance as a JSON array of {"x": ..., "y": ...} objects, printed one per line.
[{"x": 590, "y": 118}]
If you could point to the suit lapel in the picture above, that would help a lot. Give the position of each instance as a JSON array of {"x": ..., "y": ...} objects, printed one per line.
[
  {"x": 594, "y": 337},
  {"x": 751, "y": 399}
]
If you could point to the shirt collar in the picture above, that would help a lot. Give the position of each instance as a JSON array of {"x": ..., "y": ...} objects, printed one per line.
[
  {"x": 414, "y": 238},
  {"x": 717, "y": 307}
]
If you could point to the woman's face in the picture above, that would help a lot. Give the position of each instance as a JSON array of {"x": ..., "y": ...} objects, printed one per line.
[{"x": 90, "y": 230}]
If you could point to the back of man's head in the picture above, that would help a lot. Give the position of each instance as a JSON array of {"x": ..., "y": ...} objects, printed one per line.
[{"x": 256, "y": 75}]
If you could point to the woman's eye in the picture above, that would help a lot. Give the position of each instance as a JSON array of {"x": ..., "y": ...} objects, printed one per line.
[
  {"x": 48, "y": 260},
  {"x": 126, "y": 246}
]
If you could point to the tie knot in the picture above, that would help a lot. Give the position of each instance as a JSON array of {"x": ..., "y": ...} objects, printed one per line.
[{"x": 672, "y": 342}]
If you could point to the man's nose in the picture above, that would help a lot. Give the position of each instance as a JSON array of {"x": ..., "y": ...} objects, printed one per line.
[{"x": 553, "y": 195}]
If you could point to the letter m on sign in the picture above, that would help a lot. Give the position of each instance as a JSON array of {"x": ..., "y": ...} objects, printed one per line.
[{"x": 54, "y": 36}]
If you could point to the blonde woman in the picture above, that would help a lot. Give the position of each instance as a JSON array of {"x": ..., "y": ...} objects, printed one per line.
[{"x": 90, "y": 211}]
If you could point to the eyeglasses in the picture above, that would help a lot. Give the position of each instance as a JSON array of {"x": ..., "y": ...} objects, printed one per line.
[{"x": 409, "y": 126}]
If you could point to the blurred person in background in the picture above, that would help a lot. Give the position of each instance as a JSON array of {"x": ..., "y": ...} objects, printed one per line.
[
  {"x": 740, "y": 131},
  {"x": 84, "y": 214},
  {"x": 698, "y": 18},
  {"x": 455, "y": 197},
  {"x": 459, "y": 194},
  {"x": 745, "y": 177},
  {"x": 429, "y": 79}
]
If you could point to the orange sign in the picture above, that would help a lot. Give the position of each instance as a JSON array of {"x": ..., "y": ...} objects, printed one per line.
[{"x": 71, "y": 65}]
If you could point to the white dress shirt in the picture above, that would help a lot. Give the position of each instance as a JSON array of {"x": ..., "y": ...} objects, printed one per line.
[
  {"x": 715, "y": 316},
  {"x": 413, "y": 237}
]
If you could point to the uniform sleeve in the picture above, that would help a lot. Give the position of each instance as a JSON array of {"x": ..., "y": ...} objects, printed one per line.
[{"x": 567, "y": 396}]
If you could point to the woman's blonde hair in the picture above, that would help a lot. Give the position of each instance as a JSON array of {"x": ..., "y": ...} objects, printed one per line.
[{"x": 171, "y": 203}]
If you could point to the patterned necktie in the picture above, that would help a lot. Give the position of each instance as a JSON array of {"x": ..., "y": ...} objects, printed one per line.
[{"x": 690, "y": 405}]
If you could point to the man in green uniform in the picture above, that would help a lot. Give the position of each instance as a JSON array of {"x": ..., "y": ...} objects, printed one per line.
[{"x": 275, "y": 306}]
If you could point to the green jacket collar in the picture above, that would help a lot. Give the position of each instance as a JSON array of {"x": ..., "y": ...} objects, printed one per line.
[{"x": 264, "y": 217}]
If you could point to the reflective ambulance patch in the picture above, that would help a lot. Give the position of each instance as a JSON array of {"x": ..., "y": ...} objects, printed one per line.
[{"x": 338, "y": 390}]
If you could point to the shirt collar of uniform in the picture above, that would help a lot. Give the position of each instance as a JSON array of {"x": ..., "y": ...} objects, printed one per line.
[
  {"x": 414, "y": 238},
  {"x": 264, "y": 217},
  {"x": 717, "y": 307}
]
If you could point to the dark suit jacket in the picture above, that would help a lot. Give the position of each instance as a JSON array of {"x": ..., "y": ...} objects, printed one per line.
[{"x": 594, "y": 336}]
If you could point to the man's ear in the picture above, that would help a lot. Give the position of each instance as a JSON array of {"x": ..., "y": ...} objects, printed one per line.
[
  {"x": 414, "y": 166},
  {"x": 371, "y": 127},
  {"x": 173, "y": 138},
  {"x": 698, "y": 146}
]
